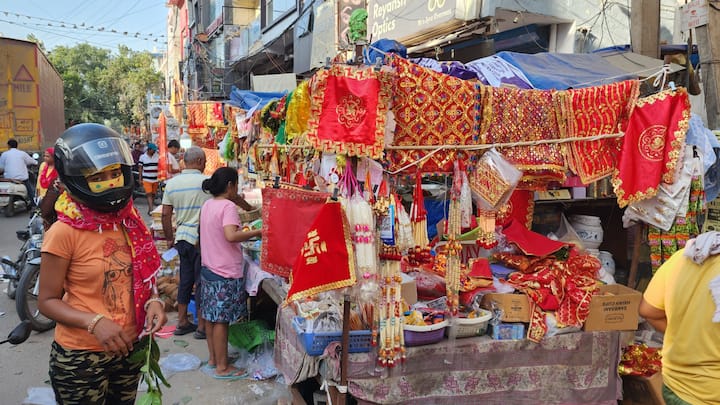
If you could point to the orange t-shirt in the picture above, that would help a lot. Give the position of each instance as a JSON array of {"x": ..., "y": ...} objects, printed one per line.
[{"x": 98, "y": 279}]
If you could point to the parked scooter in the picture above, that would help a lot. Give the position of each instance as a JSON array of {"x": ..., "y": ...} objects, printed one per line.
[
  {"x": 19, "y": 334},
  {"x": 27, "y": 275},
  {"x": 14, "y": 195},
  {"x": 31, "y": 237}
]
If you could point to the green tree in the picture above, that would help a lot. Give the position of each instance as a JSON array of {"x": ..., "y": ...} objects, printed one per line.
[
  {"x": 40, "y": 44},
  {"x": 101, "y": 86}
]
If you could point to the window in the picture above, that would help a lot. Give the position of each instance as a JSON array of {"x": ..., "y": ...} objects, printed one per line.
[{"x": 273, "y": 11}]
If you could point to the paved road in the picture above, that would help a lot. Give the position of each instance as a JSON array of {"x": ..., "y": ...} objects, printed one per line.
[{"x": 25, "y": 366}]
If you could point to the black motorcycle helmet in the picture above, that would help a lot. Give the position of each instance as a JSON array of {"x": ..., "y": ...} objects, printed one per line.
[{"x": 86, "y": 148}]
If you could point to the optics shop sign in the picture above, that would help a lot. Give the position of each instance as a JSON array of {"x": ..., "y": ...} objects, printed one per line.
[{"x": 399, "y": 19}]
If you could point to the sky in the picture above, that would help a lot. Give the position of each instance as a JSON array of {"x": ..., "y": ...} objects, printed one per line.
[{"x": 138, "y": 24}]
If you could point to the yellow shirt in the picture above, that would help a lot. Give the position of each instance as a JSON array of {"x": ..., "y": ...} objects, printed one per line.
[{"x": 691, "y": 348}]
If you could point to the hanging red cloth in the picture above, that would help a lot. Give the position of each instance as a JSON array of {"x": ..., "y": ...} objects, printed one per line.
[
  {"x": 287, "y": 215},
  {"x": 598, "y": 110},
  {"x": 431, "y": 109},
  {"x": 653, "y": 142},
  {"x": 349, "y": 110},
  {"x": 325, "y": 261},
  {"x": 162, "y": 147}
]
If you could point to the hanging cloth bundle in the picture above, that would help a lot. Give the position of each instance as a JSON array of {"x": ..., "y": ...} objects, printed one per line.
[{"x": 418, "y": 214}]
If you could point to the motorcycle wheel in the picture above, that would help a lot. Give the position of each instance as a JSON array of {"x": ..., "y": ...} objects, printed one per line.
[
  {"x": 10, "y": 208},
  {"x": 11, "y": 289},
  {"x": 26, "y": 302}
]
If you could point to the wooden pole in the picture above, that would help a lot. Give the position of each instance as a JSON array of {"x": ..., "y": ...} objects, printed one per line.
[
  {"x": 645, "y": 27},
  {"x": 709, "y": 49},
  {"x": 344, "y": 356},
  {"x": 634, "y": 262}
]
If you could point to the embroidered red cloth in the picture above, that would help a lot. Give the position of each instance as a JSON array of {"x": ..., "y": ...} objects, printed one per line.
[
  {"x": 287, "y": 215},
  {"x": 597, "y": 110},
  {"x": 520, "y": 208},
  {"x": 431, "y": 109},
  {"x": 348, "y": 110},
  {"x": 653, "y": 142},
  {"x": 325, "y": 260},
  {"x": 145, "y": 257},
  {"x": 531, "y": 243},
  {"x": 512, "y": 115}
]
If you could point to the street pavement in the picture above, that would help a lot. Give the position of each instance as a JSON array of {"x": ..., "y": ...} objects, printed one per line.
[{"x": 25, "y": 366}]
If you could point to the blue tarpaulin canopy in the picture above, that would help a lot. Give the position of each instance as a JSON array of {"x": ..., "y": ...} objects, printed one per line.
[
  {"x": 565, "y": 70},
  {"x": 247, "y": 99}
]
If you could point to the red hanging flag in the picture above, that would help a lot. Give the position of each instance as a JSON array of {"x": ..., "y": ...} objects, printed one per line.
[
  {"x": 287, "y": 216},
  {"x": 162, "y": 147},
  {"x": 653, "y": 142},
  {"x": 326, "y": 260}
]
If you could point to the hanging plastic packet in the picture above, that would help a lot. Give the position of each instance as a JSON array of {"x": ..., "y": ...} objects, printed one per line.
[{"x": 493, "y": 180}]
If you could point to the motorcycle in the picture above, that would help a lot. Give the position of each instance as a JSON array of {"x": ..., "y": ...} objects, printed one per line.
[
  {"x": 23, "y": 274},
  {"x": 28, "y": 285},
  {"x": 19, "y": 334},
  {"x": 14, "y": 195}
]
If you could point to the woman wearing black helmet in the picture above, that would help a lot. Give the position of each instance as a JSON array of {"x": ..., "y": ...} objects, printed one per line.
[{"x": 98, "y": 271}]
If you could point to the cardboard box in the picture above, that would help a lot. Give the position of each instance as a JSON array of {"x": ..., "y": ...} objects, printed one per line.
[
  {"x": 516, "y": 307},
  {"x": 640, "y": 390},
  {"x": 408, "y": 289},
  {"x": 615, "y": 307}
]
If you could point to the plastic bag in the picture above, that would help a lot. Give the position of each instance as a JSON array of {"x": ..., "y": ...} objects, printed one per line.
[
  {"x": 39, "y": 396},
  {"x": 493, "y": 180},
  {"x": 261, "y": 364},
  {"x": 179, "y": 362},
  {"x": 566, "y": 233}
]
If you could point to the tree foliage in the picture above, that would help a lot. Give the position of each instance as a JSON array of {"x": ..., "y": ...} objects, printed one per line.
[{"x": 104, "y": 87}]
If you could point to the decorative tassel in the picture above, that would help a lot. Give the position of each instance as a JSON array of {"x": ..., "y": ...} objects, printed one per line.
[{"x": 418, "y": 214}]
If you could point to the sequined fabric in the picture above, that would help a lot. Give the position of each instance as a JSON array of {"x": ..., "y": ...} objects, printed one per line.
[
  {"x": 431, "y": 109},
  {"x": 594, "y": 111},
  {"x": 514, "y": 115}
]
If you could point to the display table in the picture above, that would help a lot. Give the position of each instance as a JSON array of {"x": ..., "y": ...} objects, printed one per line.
[{"x": 576, "y": 368}]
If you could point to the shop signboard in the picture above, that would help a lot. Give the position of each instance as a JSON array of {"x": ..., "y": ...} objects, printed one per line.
[
  {"x": 693, "y": 14},
  {"x": 404, "y": 19}
]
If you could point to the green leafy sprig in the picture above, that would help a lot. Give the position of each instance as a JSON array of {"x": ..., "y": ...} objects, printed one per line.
[{"x": 152, "y": 375}]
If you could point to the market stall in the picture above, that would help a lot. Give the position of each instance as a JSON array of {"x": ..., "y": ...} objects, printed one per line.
[{"x": 359, "y": 154}]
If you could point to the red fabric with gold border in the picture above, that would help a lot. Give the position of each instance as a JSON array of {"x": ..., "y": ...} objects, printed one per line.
[
  {"x": 325, "y": 260},
  {"x": 653, "y": 142},
  {"x": 348, "y": 110},
  {"x": 520, "y": 208},
  {"x": 594, "y": 111},
  {"x": 431, "y": 109},
  {"x": 514, "y": 115},
  {"x": 287, "y": 215}
]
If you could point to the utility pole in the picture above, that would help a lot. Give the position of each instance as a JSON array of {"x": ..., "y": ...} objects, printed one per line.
[
  {"x": 645, "y": 27},
  {"x": 708, "y": 40}
]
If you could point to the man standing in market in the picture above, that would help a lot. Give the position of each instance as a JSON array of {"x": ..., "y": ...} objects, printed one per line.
[
  {"x": 184, "y": 197},
  {"x": 683, "y": 301}
]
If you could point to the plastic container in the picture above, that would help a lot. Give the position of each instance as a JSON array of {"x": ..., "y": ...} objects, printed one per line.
[
  {"x": 424, "y": 335},
  {"x": 589, "y": 229},
  {"x": 316, "y": 342},
  {"x": 468, "y": 327}
]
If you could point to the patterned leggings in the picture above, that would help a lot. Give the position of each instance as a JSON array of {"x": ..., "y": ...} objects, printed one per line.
[{"x": 95, "y": 378}]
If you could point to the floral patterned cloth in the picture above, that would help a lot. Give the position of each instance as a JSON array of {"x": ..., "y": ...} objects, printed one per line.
[{"x": 574, "y": 368}]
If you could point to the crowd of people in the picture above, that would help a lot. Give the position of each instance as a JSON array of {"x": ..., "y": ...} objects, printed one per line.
[{"x": 99, "y": 260}]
